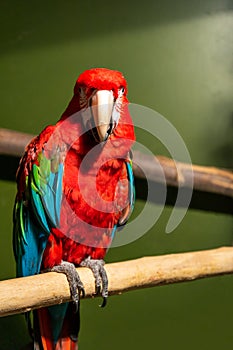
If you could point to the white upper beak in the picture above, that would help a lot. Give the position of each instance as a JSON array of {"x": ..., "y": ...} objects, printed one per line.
[{"x": 102, "y": 104}]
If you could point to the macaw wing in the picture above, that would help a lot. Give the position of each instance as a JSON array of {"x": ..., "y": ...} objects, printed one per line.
[
  {"x": 46, "y": 191},
  {"x": 36, "y": 212}
]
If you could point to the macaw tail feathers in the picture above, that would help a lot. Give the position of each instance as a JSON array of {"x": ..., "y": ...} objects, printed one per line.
[{"x": 52, "y": 333}]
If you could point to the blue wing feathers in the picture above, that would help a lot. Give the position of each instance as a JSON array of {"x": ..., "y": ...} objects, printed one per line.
[
  {"x": 48, "y": 200},
  {"x": 27, "y": 234},
  {"x": 34, "y": 217},
  {"x": 131, "y": 185},
  {"x": 52, "y": 196}
]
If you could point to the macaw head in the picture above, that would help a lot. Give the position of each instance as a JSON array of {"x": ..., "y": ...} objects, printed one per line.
[{"x": 102, "y": 92}]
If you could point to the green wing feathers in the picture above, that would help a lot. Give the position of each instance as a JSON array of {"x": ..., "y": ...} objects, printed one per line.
[{"x": 36, "y": 211}]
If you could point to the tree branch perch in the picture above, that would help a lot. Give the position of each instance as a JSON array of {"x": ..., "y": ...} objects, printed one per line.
[{"x": 24, "y": 294}]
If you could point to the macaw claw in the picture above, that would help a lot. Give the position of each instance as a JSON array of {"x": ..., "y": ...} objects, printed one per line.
[
  {"x": 75, "y": 283},
  {"x": 100, "y": 275},
  {"x": 104, "y": 302}
]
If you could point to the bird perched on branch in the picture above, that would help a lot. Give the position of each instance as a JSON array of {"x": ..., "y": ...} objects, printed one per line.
[{"x": 75, "y": 188}]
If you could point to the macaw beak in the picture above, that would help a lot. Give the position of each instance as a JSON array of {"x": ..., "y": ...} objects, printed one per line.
[{"x": 102, "y": 103}]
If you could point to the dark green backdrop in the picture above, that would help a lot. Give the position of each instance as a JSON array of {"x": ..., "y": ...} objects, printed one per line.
[{"x": 177, "y": 58}]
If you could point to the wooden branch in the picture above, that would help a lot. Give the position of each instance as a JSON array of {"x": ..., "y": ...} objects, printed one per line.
[
  {"x": 24, "y": 294},
  {"x": 13, "y": 142},
  {"x": 208, "y": 179}
]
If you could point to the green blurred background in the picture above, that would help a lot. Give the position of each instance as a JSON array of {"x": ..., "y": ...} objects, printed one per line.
[{"x": 177, "y": 58}]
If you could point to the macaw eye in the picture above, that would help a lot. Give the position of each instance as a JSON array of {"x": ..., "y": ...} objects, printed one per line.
[{"x": 122, "y": 90}]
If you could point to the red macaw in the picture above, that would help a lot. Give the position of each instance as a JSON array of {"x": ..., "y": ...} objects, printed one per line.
[{"x": 75, "y": 188}]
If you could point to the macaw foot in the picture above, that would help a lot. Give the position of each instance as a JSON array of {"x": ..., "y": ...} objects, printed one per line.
[
  {"x": 75, "y": 283},
  {"x": 100, "y": 275}
]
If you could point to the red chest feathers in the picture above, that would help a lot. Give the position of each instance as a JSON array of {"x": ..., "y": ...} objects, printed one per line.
[{"x": 91, "y": 188}]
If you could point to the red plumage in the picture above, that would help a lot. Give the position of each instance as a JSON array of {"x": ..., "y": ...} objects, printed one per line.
[{"x": 95, "y": 180}]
